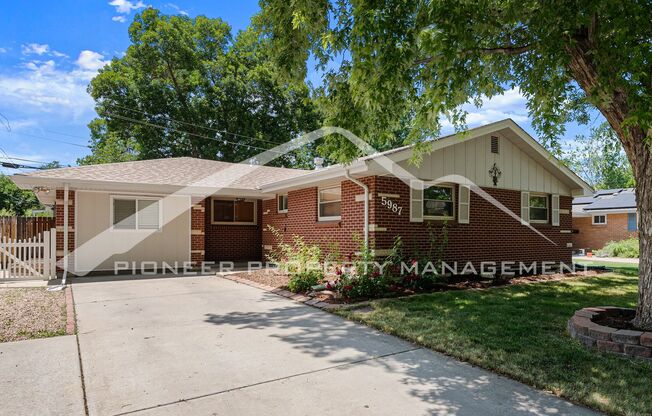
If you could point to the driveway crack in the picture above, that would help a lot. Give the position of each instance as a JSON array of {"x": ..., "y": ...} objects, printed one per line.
[{"x": 274, "y": 380}]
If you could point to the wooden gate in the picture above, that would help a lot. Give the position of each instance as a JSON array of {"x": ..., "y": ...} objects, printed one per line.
[{"x": 31, "y": 258}]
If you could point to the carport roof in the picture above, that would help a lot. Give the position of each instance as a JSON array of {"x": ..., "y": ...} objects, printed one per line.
[{"x": 179, "y": 171}]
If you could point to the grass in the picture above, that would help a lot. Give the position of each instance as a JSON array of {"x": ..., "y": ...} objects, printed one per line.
[
  {"x": 520, "y": 331},
  {"x": 627, "y": 269}
]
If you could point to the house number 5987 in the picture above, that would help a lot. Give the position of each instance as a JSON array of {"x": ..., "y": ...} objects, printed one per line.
[{"x": 391, "y": 205}]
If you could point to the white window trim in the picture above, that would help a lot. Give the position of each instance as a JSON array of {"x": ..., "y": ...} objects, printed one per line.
[
  {"x": 136, "y": 198},
  {"x": 599, "y": 223},
  {"x": 438, "y": 217},
  {"x": 255, "y": 221},
  {"x": 547, "y": 208},
  {"x": 333, "y": 217},
  {"x": 278, "y": 208}
]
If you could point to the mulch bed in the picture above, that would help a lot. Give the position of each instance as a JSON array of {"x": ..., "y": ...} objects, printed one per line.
[
  {"x": 27, "y": 313},
  {"x": 276, "y": 279}
]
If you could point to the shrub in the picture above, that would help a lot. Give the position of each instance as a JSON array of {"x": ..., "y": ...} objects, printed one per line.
[
  {"x": 625, "y": 248},
  {"x": 303, "y": 282},
  {"x": 298, "y": 259}
]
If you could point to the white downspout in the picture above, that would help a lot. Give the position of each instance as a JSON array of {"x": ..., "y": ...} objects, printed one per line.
[
  {"x": 65, "y": 241},
  {"x": 65, "y": 233},
  {"x": 366, "y": 206}
]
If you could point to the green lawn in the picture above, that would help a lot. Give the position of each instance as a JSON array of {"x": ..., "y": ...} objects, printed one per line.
[{"x": 520, "y": 331}]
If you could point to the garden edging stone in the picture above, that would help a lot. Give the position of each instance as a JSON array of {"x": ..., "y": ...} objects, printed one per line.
[{"x": 624, "y": 342}]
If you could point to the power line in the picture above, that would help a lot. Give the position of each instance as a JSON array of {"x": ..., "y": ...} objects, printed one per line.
[
  {"x": 52, "y": 140},
  {"x": 196, "y": 125},
  {"x": 187, "y": 132},
  {"x": 29, "y": 160}
]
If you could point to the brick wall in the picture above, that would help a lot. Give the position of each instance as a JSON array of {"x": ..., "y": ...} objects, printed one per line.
[
  {"x": 491, "y": 235},
  {"x": 232, "y": 242},
  {"x": 594, "y": 237},
  {"x": 59, "y": 223},
  {"x": 197, "y": 230},
  {"x": 302, "y": 216}
]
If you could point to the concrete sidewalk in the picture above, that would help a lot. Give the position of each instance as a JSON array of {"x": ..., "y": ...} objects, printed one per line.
[
  {"x": 606, "y": 259},
  {"x": 41, "y": 377},
  {"x": 206, "y": 345}
]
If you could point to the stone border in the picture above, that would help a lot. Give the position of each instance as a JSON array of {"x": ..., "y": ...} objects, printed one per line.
[
  {"x": 624, "y": 342},
  {"x": 297, "y": 297},
  {"x": 70, "y": 312}
]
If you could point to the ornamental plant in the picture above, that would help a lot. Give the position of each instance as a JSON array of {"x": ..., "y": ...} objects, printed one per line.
[{"x": 298, "y": 259}]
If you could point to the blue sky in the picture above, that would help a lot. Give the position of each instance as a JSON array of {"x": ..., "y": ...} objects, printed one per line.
[{"x": 50, "y": 50}]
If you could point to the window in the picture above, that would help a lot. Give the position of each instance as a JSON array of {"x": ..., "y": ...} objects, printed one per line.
[
  {"x": 282, "y": 203},
  {"x": 234, "y": 211},
  {"x": 330, "y": 204},
  {"x": 599, "y": 219},
  {"x": 136, "y": 213},
  {"x": 539, "y": 208},
  {"x": 632, "y": 222},
  {"x": 438, "y": 202}
]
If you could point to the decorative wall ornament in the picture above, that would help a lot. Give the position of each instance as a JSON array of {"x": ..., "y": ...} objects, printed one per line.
[{"x": 495, "y": 173}]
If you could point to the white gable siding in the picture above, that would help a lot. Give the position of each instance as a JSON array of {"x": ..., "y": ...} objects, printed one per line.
[{"x": 473, "y": 159}]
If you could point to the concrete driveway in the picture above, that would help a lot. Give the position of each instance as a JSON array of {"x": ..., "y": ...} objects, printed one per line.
[{"x": 205, "y": 345}]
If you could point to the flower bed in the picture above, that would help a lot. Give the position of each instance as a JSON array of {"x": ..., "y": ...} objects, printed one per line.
[
  {"x": 274, "y": 279},
  {"x": 589, "y": 327}
]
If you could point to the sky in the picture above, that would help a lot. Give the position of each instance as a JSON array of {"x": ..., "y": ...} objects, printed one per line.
[{"x": 49, "y": 51}]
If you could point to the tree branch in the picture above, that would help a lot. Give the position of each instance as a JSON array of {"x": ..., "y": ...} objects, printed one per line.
[{"x": 499, "y": 50}]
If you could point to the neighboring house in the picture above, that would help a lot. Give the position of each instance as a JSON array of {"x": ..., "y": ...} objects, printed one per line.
[
  {"x": 607, "y": 215},
  {"x": 201, "y": 210}
]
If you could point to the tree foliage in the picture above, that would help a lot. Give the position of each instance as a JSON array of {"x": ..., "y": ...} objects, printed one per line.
[
  {"x": 15, "y": 201},
  {"x": 427, "y": 58},
  {"x": 187, "y": 87},
  {"x": 600, "y": 159}
]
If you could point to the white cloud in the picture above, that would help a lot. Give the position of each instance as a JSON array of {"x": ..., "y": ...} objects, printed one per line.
[
  {"x": 510, "y": 104},
  {"x": 3, "y": 50},
  {"x": 126, "y": 6},
  {"x": 43, "y": 87},
  {"x": 90, "y": 61},
  {"x": 176, "y": 8},
  {"x": 34, "y": 49},
  {"x": 120, "y": 19}
]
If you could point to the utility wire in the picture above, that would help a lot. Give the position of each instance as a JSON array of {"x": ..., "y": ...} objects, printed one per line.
[
  {"x": 196, "y": 125},
  {"x": 249, "y": 146},
  {"x": 52, "y": 140},
  {"x": 29, "y": 160}
]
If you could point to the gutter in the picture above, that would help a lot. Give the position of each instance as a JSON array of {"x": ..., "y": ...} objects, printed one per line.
[{"x": 366, "y": 205}]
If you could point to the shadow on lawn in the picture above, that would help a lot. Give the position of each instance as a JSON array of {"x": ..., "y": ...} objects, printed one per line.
[
  {"x": 521, "y": 331},
  {"x": 441, "y": 385}
]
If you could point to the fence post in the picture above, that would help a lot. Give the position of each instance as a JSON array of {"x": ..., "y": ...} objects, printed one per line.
[{"x": 53, "y": 252}]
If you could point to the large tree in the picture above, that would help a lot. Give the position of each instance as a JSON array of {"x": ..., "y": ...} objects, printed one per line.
[
  {"x": 599, "y": 158},
  {"x": 432, "y": 56},
  {"x": 187, "y": 87}
]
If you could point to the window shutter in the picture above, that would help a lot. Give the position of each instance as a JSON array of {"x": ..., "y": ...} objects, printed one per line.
[
  {"x": 464, "y": 204},
  {"x": 416, "y": 200},
  {"x": 555, "y": 210},
  {"x": 148, "y": 217},
  {"x": 525, "y": 207}
]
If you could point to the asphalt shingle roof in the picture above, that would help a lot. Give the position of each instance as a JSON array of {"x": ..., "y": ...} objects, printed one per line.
[{"x": 180, "y": 171}]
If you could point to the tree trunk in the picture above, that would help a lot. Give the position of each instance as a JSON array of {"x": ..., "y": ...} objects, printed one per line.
[
  {"x": 643, "y": 174},
  {"x": 614, "y": 107}
]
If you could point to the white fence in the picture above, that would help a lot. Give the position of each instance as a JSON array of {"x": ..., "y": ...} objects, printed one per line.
[{"x": 31, "y": 258}]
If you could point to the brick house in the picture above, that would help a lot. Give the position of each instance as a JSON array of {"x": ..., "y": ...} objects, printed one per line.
[
  {"x": 607, "y": 215},
  {"x": 500, "y": 195}
]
